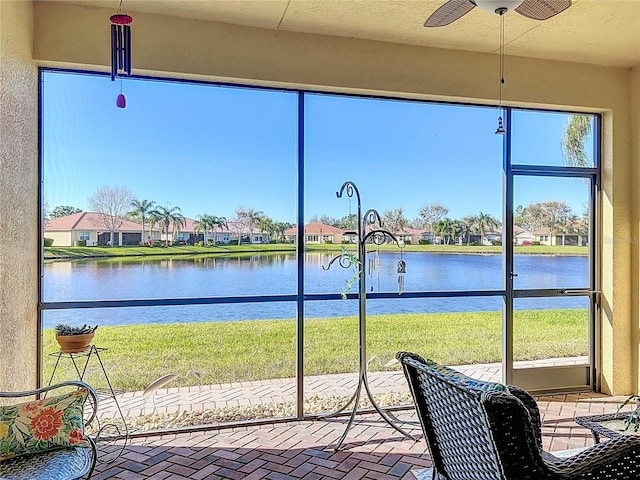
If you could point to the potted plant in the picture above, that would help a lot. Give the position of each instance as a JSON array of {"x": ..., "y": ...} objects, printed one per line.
[
  {"x": 74, "y": 339},
  {"x": 632, "y": 419}
]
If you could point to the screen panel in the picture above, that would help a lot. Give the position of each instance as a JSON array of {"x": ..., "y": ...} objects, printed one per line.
[
  {"x": 434, "y": 193},
  {"x": 185, "y": 168},
  {"x": 553, "y": 139},
  {"x": 217, "y": 369}
]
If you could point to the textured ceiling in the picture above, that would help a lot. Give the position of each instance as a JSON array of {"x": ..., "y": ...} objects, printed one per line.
[{"x": 604, "y": 32}]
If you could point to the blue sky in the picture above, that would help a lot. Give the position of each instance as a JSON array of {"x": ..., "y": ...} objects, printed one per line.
[{"x": 210, "y": 149}]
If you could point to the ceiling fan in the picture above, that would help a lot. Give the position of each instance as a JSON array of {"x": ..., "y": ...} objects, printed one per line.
[{"x": 452, "y": 10}]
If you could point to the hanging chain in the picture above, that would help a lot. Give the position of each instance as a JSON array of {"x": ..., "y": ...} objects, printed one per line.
[
  {"x": 501, "y": 55},
  {"x": 121, "y": 9}
]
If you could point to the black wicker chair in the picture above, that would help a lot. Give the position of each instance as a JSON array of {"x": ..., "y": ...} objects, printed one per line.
[
  {"x": 62, "y": 464},
  {"x": 496, "y": 435}
]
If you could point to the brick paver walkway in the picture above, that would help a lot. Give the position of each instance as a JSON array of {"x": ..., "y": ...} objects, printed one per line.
[
  {"x": 303, "y": 450},
  {"x": 214, "y": 397}
]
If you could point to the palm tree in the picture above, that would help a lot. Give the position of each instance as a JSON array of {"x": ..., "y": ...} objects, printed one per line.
[
  {"x": 177, "y": 222},
  {"x": 453, "y": 230},
  {"x": 465, "y": 229},
  {"x": 577, "y": 129},
  {"x": 471, "y": 221},
  {"x": 217, "y": 222},
  {"x": 265, "y": 224},
  {"x": 279, "y": 229},
  {"x": 204, "y": 224},
  {"x": 167, "y": 217},
  {"x": 485, "y": 220},
  {"x": 444, "y": 228},
  {"x": 247, "y": 218},
  {"x": 154, "y": 219},
  {"x": 141, "y": 211}
]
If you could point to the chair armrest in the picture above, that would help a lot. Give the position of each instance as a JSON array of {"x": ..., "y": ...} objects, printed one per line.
[
  {"x": 532, "y": 407},
  {"x": 616, "y": 458},
  {"x": 415, "y": 356},
  {"x": 37, "y": 391}
]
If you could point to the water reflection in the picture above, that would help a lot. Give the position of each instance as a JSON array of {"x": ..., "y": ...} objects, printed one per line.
[{"x": 276, "y": 274}]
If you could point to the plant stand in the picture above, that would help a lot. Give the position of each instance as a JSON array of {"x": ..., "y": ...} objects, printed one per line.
[
  {"x": 378, "y": 236},
  {"x": 103, "y": 393}
]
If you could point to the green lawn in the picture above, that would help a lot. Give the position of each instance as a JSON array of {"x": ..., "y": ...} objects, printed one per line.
[
  {"x": 157, "y": 252},
  {"x": 262, "y": 349},
  {"x": 85, "y": 252}
]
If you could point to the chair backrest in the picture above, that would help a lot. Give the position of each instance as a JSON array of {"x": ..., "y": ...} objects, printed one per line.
[
  {"x": 54, "y": 457},
  {"x": 463, "y": 425}
]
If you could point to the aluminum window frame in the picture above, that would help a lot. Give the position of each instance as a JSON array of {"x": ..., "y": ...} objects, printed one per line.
[{"x": 301, "y": 297}]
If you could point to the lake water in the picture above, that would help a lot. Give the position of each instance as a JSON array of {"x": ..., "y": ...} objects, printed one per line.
[{"x": 275, "y": 274}]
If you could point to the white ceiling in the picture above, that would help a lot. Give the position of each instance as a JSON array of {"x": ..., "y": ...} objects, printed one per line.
[{"x": 604, "y": 32}]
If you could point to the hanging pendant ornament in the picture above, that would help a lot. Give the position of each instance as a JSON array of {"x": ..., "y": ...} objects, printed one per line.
[
  {"x": 500, "y": 130},
  {"x": 121, "y": 101},
  {"x": 120, "y": 48}
]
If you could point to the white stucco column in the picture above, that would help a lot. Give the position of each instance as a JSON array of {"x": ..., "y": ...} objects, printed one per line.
[
  {"x": 18, "y": 197},
  {"x": 635, "y": 188}
]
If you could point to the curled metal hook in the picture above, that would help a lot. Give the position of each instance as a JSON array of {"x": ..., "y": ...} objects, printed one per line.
[{"x": 351, "y": 189}]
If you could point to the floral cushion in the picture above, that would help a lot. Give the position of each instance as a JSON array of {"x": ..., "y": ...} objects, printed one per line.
[
  {"x": 465, "y": 380},
  {"x": 42, "y": 425}
]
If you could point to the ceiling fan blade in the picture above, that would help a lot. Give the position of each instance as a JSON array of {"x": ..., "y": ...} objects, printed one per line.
[
  {"x": 542, "y": 9},
  {"x": 449, "y": 12}
]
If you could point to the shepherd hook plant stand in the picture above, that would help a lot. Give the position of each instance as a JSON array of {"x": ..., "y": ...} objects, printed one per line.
[{"x": 377, "y": 235}]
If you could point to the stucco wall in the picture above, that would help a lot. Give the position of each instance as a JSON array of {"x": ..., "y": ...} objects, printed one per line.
[
  {"x": 78, "y": 37},
  {"x": 18, "y": 197},
  {"x": 635, "y": 174},
  {"x": 60, "y": 239}
]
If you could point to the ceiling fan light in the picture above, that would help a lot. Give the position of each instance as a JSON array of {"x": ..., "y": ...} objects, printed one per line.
[{"x": 492, "y": 6}]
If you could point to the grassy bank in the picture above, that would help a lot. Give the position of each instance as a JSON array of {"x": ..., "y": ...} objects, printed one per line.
[
  {"x": 88, "y": 252},
  {"x": 158, "y": 252},
  {"x": 263, "y": 349}
]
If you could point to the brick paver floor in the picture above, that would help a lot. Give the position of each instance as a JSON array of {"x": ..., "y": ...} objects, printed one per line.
[{"x": 303, "y": 450}]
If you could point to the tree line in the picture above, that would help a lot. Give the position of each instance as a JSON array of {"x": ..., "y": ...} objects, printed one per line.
[
  {"x": 115, "y": 204},
  {"x": 553, "y": 215}
]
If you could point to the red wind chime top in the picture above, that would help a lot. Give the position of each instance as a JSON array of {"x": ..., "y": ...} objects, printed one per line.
[{"x": 120, "y": 48}]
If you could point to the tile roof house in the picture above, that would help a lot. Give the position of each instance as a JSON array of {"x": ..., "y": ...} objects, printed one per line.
[
  {"x": 92, "y": 229},
  {"x": 546, "y": 237},
  {"x": 523, "y": 236},
  {"x": 413, "y": 235},
  {"x": 190, "y": 234},
  {"x": 317, "y": 232}
]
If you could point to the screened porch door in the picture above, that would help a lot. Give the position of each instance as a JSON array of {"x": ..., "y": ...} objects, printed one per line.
[{"x": 549, "y": 332}]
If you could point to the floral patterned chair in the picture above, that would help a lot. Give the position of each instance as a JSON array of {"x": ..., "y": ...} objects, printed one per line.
[{"x": 44, "y": 439}]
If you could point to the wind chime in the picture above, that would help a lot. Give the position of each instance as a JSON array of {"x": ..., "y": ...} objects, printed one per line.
[
  {"x": 120, "y": 49},
  {"x": 402, "y": 269},
  {"x": 374, "y": 266}
]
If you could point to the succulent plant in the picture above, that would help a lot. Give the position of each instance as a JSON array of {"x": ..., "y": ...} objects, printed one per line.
[
  {"x": 633, "y": 418},
  {"x": 64, "y": 329}
]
